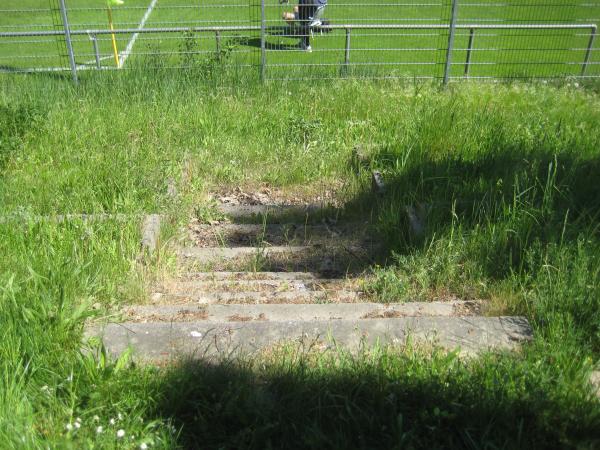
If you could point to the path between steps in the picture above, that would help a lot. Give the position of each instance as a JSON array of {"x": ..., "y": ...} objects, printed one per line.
[{"x": 273, "y": 274}]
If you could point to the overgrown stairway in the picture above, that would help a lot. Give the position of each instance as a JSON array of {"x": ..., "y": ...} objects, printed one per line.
[{"x": 268, "y": 275}]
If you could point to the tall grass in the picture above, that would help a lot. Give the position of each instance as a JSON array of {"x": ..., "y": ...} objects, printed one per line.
[{"x": 507, "y": 173}]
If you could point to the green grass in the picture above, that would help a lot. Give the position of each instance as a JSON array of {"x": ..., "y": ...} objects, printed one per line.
[
  {"x": 382, "y": 53},
  {"x": 509, "y": 169}
]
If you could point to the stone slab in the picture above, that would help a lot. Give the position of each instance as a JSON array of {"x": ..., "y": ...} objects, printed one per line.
[
  {"x": 237, "y": 235},
  {"x": 215, "y": 254},
  {"x": 274, "y": 213},
  {"x": 225, "y": 275},
  {"x": 150, "y": 233},
  {"x": 165, "y": 341},
  {"x": 300, "y": 312},
  {"x": 220, "y": 285},
  {"x": 258, "y": 297}
]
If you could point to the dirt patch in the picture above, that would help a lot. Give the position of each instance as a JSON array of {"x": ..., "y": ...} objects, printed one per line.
[
  {"x": 469, "y": 308},
  {"x": 180, "y": 316},
  {"x": 326, "y": 262},
  {"x": 187, "y": 316},
  {"x": 244, "y": 235},
  {"x": 265, "y": 194},
  {"x": 391, "y": 314},
  {"x": 238, "y": 318}
]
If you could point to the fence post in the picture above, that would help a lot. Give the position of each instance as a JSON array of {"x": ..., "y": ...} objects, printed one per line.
[
  {"x": 94, "y": 40},
  {"x": 65, "y": 19},
  {"x": 469, "y": 49},
  {"x": 347, "y": 51},
  {"x": 263, "y": 50},
  {"x": 218, "y": 39},
  {"x": 450, "y": 48},
  {"x": 588, "y": 52}
]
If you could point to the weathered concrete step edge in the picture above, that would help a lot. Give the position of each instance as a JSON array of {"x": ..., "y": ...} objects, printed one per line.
[
  {"x": 285, "y": 312},
  {"x": 239, "y": 276},
  {"x": 258, "y": 297},
  {"x": 192, "y": 286},
  {"x": 160, "y": 341},
  {"x": 327, "y": 258},
  {"x": 280, "y": 233},
  {"x": 274, "y": 212},
  {"x": 208, "y": 254},
  {"x": 282, "y": 228}
]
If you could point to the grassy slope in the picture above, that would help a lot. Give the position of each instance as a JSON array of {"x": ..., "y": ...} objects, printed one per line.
[{"x": 510, "y": 168}]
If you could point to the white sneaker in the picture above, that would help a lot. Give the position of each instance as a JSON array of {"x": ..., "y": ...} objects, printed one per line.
[{"x": 306, "y": 48}]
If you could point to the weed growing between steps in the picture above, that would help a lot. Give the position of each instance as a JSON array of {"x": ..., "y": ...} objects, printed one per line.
[{"x": 509, "y": 170}]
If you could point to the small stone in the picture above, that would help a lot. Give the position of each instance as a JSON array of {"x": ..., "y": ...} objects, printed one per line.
[
  {"x": 416, "y": 226},
  {"x": 377, "y": 183},
  {"x": 229, "y": 200},
  {"x": 595, "y": 381},
  {"x": 171, "y": 188}
]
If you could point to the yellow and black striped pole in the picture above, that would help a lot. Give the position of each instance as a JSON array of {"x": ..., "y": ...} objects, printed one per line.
[{"x": 109, "y": 5}]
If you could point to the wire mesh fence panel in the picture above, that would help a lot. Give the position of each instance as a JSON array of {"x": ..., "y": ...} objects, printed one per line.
[
  {"x": 166, "y": 48},
  {"x": 493, "y": 39},
  {"x": 147, "y": 33},
  {"x": 374, "y": 38},
  {"x": 23, "y": 53},
  {"x": 309, "y": 39},
  {"x": 194, "y": 49},
  {"x": 556, "y": 43}
]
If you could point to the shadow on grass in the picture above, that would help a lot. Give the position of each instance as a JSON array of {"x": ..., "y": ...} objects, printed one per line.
[
  {"x": 543, "y": 198},
  {"x": 392, "y": 401},
  {"x": 522, "y": 227}
]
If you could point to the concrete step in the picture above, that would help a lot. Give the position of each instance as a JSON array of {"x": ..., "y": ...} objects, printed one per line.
[
  {"x": 158, "y": 341},
  {"x": 239, "y": 276},
  {"x": 210, "y": 254},
  {"x": 225, "y": 297},
  {"x": 219, "y": 285},
  {"x": 328, "y": 261},
  {"x": 285, "y": 312},
  {"x": 239, "y": 235},
  {"x": 278, "y": 213}
]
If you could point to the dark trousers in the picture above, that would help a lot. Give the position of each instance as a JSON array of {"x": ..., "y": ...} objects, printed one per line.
[{"x": 306, "y": 10}]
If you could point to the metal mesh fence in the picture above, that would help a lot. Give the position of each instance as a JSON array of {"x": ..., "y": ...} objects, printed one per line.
[{"x": 277, "y": 39}]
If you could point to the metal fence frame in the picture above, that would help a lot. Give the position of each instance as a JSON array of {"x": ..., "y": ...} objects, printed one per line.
[{"x": 264, "y": 30}]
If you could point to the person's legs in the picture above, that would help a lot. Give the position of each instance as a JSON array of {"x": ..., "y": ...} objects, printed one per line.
[{"x": 306, "y": 10}]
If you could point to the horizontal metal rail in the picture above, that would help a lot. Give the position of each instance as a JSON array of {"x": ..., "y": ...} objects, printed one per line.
[
  {"x": 213, "y": 29},
  {"x": 280, "y": 30}
]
